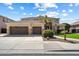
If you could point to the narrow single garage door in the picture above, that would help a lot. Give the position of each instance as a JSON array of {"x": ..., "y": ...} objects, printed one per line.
[
  {"x": 36, "y": 30},
  {"x": 19, "y": 30}
]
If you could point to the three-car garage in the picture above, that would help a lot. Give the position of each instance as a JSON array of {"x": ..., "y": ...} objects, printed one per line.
[{"x": 25, "y": 30}]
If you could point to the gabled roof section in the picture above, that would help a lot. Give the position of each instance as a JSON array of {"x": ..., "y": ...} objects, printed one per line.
[
  {"x": 39, "y": 17},
  {"x": 6, "y": 19}
]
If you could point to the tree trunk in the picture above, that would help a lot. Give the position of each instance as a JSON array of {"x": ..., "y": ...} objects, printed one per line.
[{"x": 64, "y": 36}]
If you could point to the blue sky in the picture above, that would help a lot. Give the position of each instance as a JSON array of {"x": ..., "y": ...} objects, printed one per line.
[{"x": 67, "y": 12}]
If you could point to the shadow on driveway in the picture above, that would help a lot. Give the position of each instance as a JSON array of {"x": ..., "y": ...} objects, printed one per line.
[{"x": 21, "y": 36}]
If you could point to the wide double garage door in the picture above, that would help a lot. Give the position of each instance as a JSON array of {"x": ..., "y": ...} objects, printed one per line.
[
  {"x": 25, "y": 30},
  {"x": 19, "y": 30}
]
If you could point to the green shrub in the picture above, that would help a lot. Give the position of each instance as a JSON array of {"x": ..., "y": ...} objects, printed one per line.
[
  {"x": 58, "y": 31},
  {"x": 47, "y": 33}
]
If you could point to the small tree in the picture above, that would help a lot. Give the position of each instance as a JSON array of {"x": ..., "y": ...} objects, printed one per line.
[
  {"x": 67, "y": 26},
  {"x": 66, "y": 29},
  {"x": 58, "y": 29}
]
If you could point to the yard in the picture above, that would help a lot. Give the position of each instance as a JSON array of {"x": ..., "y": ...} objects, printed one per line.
[{"x": 74, "y": 36}]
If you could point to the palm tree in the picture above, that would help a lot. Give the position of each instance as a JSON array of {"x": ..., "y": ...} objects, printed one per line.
[{"x": 48, "y": 23}]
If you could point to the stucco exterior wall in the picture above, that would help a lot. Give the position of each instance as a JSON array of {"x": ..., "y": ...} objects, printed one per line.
[
  {"x": 28, "y": 24},
  {"x": 2, "y": 24},
  {"x": 76, "y": 27}
]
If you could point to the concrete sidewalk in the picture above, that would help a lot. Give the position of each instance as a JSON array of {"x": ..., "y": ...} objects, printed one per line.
[{"x": 67, "y": 38}]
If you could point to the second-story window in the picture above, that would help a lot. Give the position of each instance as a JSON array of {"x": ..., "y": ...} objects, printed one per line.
[{"x": 3, "y": 19}]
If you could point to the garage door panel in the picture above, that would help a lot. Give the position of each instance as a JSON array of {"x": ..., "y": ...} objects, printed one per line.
[
  {"x": 36, "y": 30},
  {"x": 19, "y": 30}
]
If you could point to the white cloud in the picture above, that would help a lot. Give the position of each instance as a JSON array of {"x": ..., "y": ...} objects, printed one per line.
[
  {"x": 52, "y": 14},
  {"x": 65, "y": 14},
  {"x": 24, "y": 13},
  {"x": 38, "y": 15},
  {"x": 37, "y": 5},
  {"x": 70, "y": 10},
  {"x": 63, "y": 10},
  {"x": 76, "y": 4},
  {"x": 50, "y": 5},
  {"x": 10, "y": 7},
  {"x": 30, "y": 13},
  {"x": 42, "y": 9},
  {"x": 45, "y": 5},
  {"x": 22, "y": 8},
  {"x": 71, "y": 5}
]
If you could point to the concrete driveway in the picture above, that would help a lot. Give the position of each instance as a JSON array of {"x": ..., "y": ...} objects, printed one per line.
[
  {"x": 21, "y": 44},
  {"x": 18, "y": 44}
]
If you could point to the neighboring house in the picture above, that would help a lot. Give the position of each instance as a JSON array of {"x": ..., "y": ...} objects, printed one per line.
[
  {"x": 74, "y": 27},
  {"x": 4, "y": 20},
  {"x": 28, "y": 26}
]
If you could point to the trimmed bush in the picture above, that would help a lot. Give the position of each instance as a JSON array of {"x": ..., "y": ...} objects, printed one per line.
[
  {"x": 59, "y": 31},
  {"x": 47, "y": 33}
]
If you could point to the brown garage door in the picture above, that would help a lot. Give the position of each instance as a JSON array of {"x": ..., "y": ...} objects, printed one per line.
[
  {"x": 19, "y": 30},
  {"x": 36, "y": 30}
]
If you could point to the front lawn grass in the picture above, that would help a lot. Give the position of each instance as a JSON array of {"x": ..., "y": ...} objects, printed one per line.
[{"x": 74, "y": 36}]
